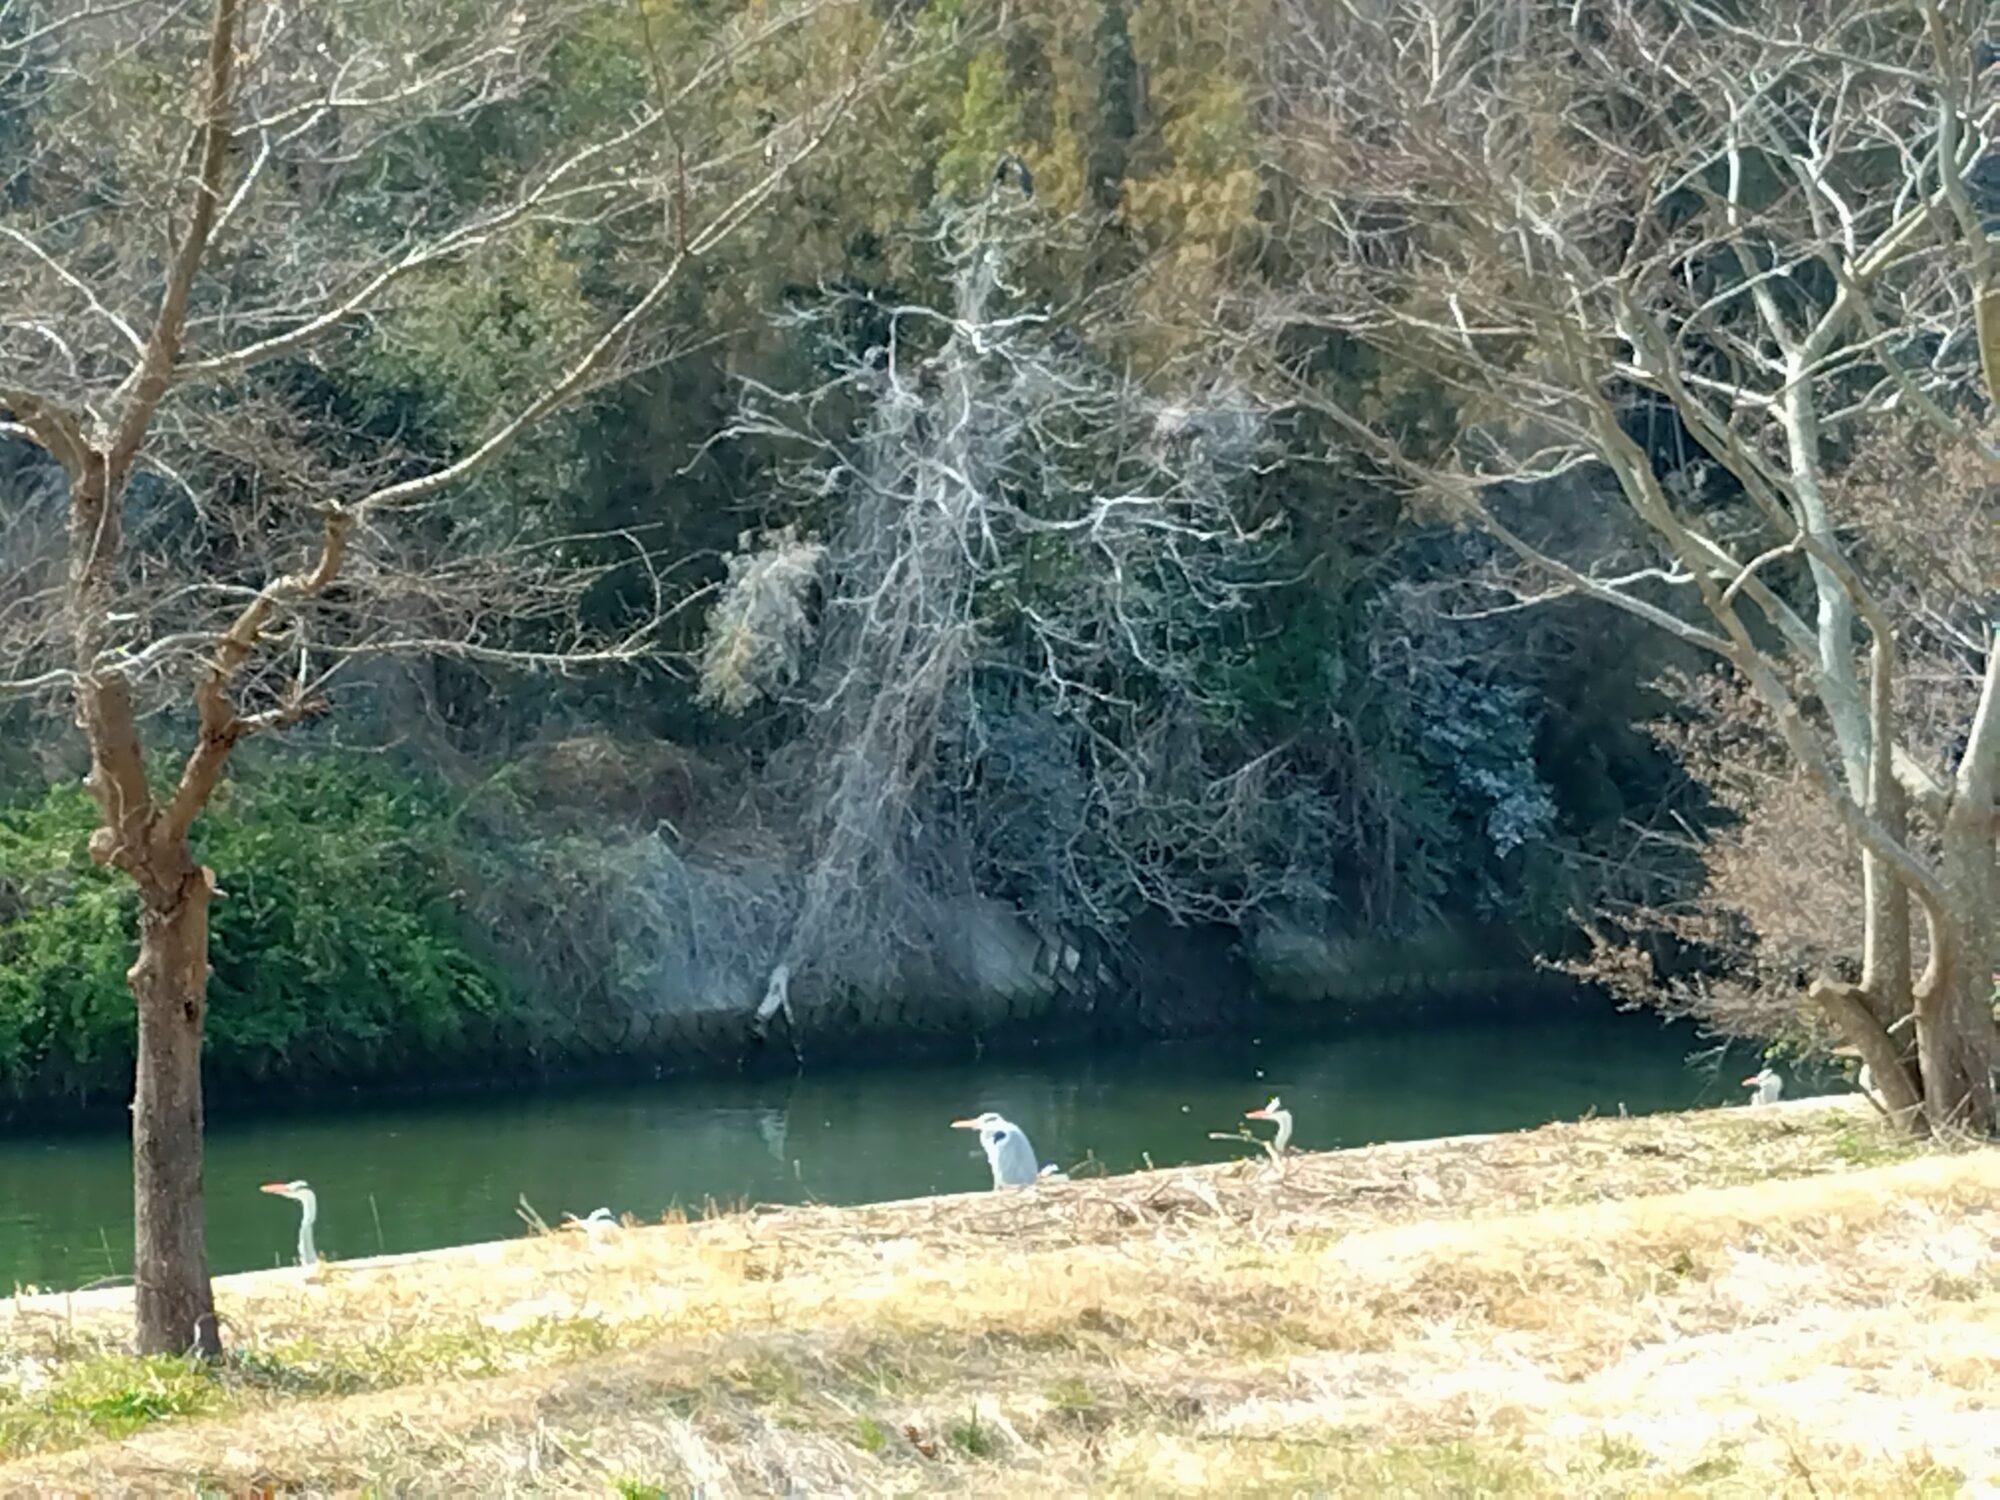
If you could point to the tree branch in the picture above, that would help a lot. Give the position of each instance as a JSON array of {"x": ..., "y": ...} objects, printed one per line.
[
  {"x": 1978, "y": 780},
  {"x": 78, "y": 285},
  {"x": 456, "y": 242},
  {"x": 56, "y": 428},
  {"x": 573, "y": 381},
  {"x": 150, "y": 380},
  {"x": 219, "y": 727},
  {"x": 1950, "y": 52}
]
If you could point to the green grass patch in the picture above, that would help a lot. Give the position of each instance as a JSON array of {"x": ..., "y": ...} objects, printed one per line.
[
  {"x": 1872, "y": 1145},
  {"x": 100, "y": 1395},
  {"x": 1070, "y": 1394},
  {"x": 106, "y": 1396},
  {"x": 971, "y": 1437}
]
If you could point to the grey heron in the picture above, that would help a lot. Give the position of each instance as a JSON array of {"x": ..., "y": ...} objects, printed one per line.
[
  {"x": 1279, "y": 1116},
  {"x": 1007, "y": 1149},
  {"x": 308, "y": 1203},
  {"x": 1770, "y": 1088}
]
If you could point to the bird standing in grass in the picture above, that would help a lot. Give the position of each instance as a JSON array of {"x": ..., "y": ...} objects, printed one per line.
[
  {"x": 1279, "y": 1116},
  {"x": 593, "y": 1224},
  {"x": 1007, "y": 1149},
  {"x": 308, "y": 1203},
  {"x": 1769, "y": 1086}
]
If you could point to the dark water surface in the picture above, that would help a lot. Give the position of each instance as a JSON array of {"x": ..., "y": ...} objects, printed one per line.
[{"x": 408, "y": 1177}]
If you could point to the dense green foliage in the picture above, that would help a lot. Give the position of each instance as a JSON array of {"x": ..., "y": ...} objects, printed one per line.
[{"x": 334, "y": 947}]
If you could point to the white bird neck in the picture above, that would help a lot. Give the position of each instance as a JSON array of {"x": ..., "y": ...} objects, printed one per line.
[
  {"x": 1283, "y": 1118},
  {"x": 308, "y": 1202}
]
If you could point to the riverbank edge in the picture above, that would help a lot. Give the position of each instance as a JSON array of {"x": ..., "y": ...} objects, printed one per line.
[
  {"x": 731, "y": 1047},
  {"x": 1129, "y": 1331},
  {"x": 481, "y": 1252}
]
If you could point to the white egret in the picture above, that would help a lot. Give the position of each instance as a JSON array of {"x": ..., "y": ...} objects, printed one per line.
[
  {"x": 1279, "y": 1116},
  {"x": 308, "y": 1204},
  {"x": 1769, "y": 1086},
  {"x": 594, "y": 1223},
  {"x": 1007, "y": 1149}
]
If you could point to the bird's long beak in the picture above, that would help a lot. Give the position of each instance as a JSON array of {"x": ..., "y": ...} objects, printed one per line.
[
  {"x": 1256, "y": 1114},
  {"x": 964, "y": 1124},
  {"x": 272, "y": 1187},
  {"x": 1750, "y": 1080}
]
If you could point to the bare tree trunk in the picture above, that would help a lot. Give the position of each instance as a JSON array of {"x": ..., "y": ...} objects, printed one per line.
[
  {"x": 176, "y": 1309},
  {"x": 1955, "y": 1030},
  {"x": 1887, "y": 994},
  {"x": 1851, "y": 1009},
  {"x": 1886, "y": 954},
  {"x": 1958, "y": 1085}
]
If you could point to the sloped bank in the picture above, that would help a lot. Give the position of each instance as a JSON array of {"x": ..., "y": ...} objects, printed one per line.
[
  {"x": 1769, "y": 1301},
  {"x": 383, "y": 933}
]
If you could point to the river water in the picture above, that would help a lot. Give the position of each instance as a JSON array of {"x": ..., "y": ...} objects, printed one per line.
[{"x": 409, "y": 1177}]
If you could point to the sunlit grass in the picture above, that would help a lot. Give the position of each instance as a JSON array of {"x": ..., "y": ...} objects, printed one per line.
[
  {"x": 105, "y": 1395},
  {"x": 1552, "y": 1312}
]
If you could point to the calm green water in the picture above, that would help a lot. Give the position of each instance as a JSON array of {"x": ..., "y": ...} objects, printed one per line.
[{"x": 414, "y": 1177}]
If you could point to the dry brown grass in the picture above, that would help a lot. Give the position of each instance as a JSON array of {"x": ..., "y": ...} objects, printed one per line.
[{"x": 1740, "y": 1302}]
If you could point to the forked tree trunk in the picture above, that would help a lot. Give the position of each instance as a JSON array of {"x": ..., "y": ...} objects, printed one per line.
[
  {"x": 176, "y": 1309},
  {"x": 1956, "y": 1044},
  {"x": 1886, "y": 982},
  {"x": 1955, "y": 1031},
  {"x": 1955, "y": 1054},
  {"x": 1854, "y": 1011},
  {"x": 1949, "y": 1085}
]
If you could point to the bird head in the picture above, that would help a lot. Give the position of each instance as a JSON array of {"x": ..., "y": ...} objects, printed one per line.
[
  {"x": 1760, "y": 1077},
  {"x": 1268, "y": 1112},
  {"x": 291, "y": 1190},
  {"x": 987, "y": 1121}
]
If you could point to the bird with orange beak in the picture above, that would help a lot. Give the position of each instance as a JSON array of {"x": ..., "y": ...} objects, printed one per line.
[{"x": 1007, "y": 1149}]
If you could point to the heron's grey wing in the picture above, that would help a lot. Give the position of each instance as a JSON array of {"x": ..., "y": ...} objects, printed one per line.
[{"x": 1014, "y": 1160}]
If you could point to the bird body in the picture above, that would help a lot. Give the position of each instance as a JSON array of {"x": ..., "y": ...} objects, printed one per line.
[
  {"x": 598, "y": 1221},
  {"x": 1006, "y": 1147},
  {"x": 1278, "y": 1115},
  {"x": 1770, "y": 1088},
  {"x": 308, "y": 1203}
]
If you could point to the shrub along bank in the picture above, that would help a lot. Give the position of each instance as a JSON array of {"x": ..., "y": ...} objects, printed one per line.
[
  {"x": 383, "y": 927},
  {"x": 336, "y": 950}
]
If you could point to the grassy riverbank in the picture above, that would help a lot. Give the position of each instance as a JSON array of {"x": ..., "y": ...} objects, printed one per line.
[{"x": 1752, "y": 1302}]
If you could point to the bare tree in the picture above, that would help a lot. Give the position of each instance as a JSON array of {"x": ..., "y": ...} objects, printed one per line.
[
  {"x": 199, "y": 211},
  {"x": 1764, "y": 232},
  {"x": 1030, "y": 562}
]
